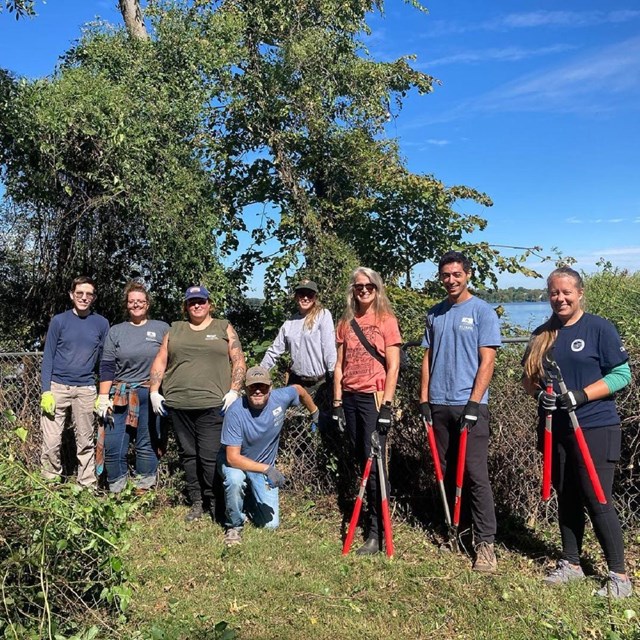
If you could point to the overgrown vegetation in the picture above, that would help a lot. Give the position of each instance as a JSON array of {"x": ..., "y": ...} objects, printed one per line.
[{"x": 61, "y": 552}]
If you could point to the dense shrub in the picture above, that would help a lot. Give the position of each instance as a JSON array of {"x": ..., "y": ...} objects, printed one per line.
[{"x": 60, "y": 552}]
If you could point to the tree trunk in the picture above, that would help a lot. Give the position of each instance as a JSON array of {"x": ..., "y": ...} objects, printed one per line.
[{"x": 132, "y": 14}]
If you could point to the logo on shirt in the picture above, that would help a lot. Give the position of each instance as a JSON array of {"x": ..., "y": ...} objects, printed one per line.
[
  {"x": 211, "y": 336},
  {"x": 151, "y": 335},
  {"x": 277, "y": 411},
  {"x": 466, "y": 324},
  {"x": 577, "y": 345}
]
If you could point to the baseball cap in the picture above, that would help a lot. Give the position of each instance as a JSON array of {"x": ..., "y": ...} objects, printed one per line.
[
  {"x": 196, "y": 292},
  {"x": 257, "y": 375},
  {"x": 310, "y": 285}
]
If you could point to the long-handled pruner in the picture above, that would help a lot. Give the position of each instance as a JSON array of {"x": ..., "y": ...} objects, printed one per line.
[
  {"x": 103, "y": 424},
  {"x": 577, "y": 431},
  {"x": 462, "y": 456},
  {"x": 546, "y": 450},
  {"x": 437, "y": 467},
  {"x": 386, "y": 517}
]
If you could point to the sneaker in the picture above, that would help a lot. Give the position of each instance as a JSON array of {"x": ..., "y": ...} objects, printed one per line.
[
  {"x": 616, "y": 586},
  {"x": 564, "y": 572},
  {"x": 370, "y": 547},
  {"x": 232, "y": 536},
  {"x": 195, "y": 513},
  {"x": 485, "y": 558}
]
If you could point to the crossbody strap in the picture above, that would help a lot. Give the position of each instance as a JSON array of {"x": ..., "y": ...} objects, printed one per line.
[{"x": 371, "y": 350}]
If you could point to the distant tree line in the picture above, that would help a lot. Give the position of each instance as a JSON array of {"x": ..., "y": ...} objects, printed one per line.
[{"x": 514, "y": 294}]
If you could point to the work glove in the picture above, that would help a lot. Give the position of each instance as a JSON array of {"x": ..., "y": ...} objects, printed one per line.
[
  {"x": 157, "y": 402},
  {"x": 547, "y": 401},
  {"x": 48, "y": 403},
  {"x": 469, "y": 417},
  {"x": 315, "y": 416},
  {"x": 274, "y": 477},
  {"x": 103, "y": 405},
  {"x": 384, "y": 419},
  {"x": 572, "y": 399},
  {"x": 228, "y": 399},
  {"x": 425, "y": 411},
  {"x": 337, "y": 415}
]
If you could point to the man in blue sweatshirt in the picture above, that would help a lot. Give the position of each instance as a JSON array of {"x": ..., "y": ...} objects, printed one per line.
[{"x": 72, "y": 348}]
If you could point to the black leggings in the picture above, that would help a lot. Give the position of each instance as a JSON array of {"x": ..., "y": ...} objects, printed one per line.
[
  {"x": 361, "y": 414},
  {"x": 575, "y": 492}
]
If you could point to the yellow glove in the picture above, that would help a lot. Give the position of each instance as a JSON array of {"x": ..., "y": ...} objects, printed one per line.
[{"x": 48, "y": 403}]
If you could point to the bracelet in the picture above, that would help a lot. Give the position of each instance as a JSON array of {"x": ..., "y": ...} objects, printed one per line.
[{"x": 337, "y": 403}]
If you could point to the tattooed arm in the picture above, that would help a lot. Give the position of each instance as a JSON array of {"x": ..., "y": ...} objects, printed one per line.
[
  {"x": 159, "y": 365},
  {"x": 238, "y": 365}
]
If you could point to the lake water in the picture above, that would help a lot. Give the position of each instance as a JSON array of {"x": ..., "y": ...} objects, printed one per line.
[{"x": 527, "y": 315}]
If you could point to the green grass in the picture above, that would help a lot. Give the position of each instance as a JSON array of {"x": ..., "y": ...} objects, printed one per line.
[{"x": 294, "y": 583}]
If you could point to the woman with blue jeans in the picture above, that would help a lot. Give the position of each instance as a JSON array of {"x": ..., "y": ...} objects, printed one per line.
[{"x": 129, "y": 350}]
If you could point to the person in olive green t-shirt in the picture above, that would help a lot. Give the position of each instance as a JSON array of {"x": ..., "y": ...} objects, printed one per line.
[{"x": 201, "y": 367}]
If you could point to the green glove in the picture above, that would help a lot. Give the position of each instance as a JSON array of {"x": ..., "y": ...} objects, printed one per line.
[{"x": 48, "y": 403}]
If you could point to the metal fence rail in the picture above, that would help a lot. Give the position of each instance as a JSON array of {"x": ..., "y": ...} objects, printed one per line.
[{"x": 321, "y": 463}]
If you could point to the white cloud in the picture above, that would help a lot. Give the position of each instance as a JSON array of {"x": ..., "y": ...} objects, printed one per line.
[
  {"x": 573, "y": 220},
  {"x": 506, "y": 54},
  {"x": 438, "y": 143},
  {"x": 536, "y": 19}
]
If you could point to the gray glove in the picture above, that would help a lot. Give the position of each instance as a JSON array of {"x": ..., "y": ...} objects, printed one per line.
[{"x": 274, "y": 477}]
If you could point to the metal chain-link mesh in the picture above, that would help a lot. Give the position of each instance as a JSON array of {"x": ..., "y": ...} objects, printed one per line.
[{"x": 321, "y": 462}]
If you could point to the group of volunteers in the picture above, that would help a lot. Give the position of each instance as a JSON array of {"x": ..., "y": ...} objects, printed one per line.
[{"x": 227, "y": 419}]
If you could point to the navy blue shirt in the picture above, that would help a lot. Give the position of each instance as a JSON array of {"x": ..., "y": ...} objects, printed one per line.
[
  {"x": 585, "y": 352},
  {"x": 72, "y": 348}
]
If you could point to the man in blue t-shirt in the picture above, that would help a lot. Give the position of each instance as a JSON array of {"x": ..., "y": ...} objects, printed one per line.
[
  {"x": 250, "y": 438},
  {"x": 461, "y": 338},
  {"x": 71, "y": 350}
]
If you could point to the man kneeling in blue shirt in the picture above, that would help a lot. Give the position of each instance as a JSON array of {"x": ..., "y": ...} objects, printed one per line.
[{"x": 250, "y": 438}]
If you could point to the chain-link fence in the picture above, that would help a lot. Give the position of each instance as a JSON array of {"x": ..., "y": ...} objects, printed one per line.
[{"x": 320, "y": 462}]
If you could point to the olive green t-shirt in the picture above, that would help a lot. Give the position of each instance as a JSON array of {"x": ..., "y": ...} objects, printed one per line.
[{"x": 198, "y": 368}]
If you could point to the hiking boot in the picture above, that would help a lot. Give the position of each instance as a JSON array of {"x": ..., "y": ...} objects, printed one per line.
[
  {"x": 564, "y": 572},
  {"x": 195, "y": 513},
  {"x": 370, "y": 547},
  {"x": 232, "y": 536},
  {"x": 485, "y": 558},
  {"x": 616, "y": 586}
]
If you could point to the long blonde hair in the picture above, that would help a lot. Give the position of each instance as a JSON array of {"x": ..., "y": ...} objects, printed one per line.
[
  {"x": 381, "y": 304},
  {"x": 545, "y": 336}
]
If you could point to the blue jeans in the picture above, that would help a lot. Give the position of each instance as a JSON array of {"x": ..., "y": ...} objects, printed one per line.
[
  {"x": 262, "y": 503},
  {"x": 116, "y": 446}
]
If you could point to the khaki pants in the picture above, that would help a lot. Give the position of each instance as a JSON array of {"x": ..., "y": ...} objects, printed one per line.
[{"x": 81, "y": 401}]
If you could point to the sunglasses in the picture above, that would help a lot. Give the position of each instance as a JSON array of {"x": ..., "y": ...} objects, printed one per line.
[
  {"x": 198, "y": 301},
  {"x": 359, "y": 288},
  {"x": 306, "y": 293}
]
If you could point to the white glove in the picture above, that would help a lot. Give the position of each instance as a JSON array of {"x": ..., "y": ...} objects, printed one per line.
[
  {"x": 157, "y": 402},
  {"x": 103, "y": 405},
  {"x": 228, "y": 399}
]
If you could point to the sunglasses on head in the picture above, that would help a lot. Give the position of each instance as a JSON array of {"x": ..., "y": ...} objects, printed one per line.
[{"x": 359, "y": 288}]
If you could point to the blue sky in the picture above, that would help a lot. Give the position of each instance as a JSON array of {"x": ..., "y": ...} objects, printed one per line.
[{"x": 538, "y": 107}]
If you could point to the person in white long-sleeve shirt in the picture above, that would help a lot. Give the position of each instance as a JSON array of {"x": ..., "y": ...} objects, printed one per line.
[{"x": 309, "y": 337}]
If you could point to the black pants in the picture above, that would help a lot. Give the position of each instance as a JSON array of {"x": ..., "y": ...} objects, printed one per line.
[
  {"x": 198, "y": 432},
  {"x": 575, "y": 491},
  {"x": 361, "y": 415},
  {"x": 322, "y": 393},
  {"x": 476, "y": 492}
]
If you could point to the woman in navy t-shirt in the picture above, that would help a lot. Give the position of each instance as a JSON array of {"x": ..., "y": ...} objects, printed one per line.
[{"x": 593, "y": 362}]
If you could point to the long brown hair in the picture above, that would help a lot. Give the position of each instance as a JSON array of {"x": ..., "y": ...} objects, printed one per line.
[
  {"x": 381, "y": 304},
  {"x": 545, "y": 336}
]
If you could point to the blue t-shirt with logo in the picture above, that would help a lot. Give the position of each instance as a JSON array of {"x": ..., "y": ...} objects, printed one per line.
[
  {"x": 585, "y": 352},
  {"x": 454, "y": 333},
  {"x": 257, "y": 433}
]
